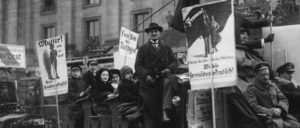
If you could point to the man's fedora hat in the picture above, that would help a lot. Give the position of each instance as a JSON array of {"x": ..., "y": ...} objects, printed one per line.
[{"x": 153, "y": 26}]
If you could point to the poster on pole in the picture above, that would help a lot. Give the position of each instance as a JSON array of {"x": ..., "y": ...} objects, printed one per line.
[
  {"x": 128, "y": 43},
  {"x": 53, "y": 67},
  {"x": 211, "y": 44},
  {"x": 12, "y": 56}
]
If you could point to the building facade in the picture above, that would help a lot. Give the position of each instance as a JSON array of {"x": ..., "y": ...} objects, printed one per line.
[{"x": 88, "y": 24}]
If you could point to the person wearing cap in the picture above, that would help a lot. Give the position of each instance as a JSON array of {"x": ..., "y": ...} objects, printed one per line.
[
  {"x": 286, "y": 77},
  {"x": 5, "y": 95},
  {"x": 266, "y": 99},
  {"x": 77, "y": 85},
  {"x": 155, "y": 63},
  {"x": 247, "y": 57},
  {"x": 289, "y": 87},
  {"x": 90, "y": 76},
  {"x": 77, "y": 89}
]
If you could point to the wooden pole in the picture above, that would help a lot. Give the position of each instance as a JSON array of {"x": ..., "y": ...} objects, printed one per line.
[
  {"x": 57, "y": 106},
  {"x": 212, "y": 88},
  {"x": 271, "y": 25}
]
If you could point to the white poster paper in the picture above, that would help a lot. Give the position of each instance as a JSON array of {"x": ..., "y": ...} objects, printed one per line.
[
  {"x": 211, "y": 44},
  {"x": 53, "y": 66},
  {"x": 128, "y": 43},
  {"x": 12, "y": 56}
]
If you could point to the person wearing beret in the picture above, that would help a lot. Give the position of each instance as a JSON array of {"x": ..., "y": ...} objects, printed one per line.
[
  {"x": 155, "y": 64},
  {"x": 289, "y": 87},
  {"x": 266, "y": 99}
]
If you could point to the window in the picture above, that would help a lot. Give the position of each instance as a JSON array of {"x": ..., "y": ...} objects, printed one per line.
[
  {"x": 139, "y": 17},
  {"x": 92, "y": 33},
  {"x": 48, "y": 6},
  {"x": 91, "y": 3},
  {"x": 49, "y": 31},
  {"x": 92, "y": 29}
]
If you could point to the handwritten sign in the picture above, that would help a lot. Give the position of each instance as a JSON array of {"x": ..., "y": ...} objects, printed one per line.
[{"x": 128, "y": 43}]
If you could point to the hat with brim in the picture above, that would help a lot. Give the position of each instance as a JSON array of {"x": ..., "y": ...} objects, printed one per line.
[
  {"x": 261, "y": 66},
  {"x": 289, "y": 69},
  {"x": 73, "y": 68},
  {"x": 94, "y": 62},
  {"x": 153, "y": 26},
  {"x": 245, "y": 30}
]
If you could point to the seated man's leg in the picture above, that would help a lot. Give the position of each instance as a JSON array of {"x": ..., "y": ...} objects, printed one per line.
[{"x": 167, "y": 93}]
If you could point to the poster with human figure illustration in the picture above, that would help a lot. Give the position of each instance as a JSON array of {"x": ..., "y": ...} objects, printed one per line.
[
  {"x": 53, "y": 66},
  {"x": 211, "y": 46}
]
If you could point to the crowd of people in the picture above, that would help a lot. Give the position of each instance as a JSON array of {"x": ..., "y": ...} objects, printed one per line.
[
  {"x": 272, "y": 96},
  {"x": 151, "y": 92},
  {"x": 148, "y": 97}
]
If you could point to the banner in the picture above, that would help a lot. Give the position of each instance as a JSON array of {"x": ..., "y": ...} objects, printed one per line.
[
  {"x": 128, "y": 43},
  {"x": 211, "y": 44},
  {"x": 285, "y": 47},
  {"x": 12, "y": 56},
  {"x": 53, "y": 66}
]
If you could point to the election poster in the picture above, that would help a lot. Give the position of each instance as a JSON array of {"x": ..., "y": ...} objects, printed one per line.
[
  {"x": 128, "y": 43},
  {"x": 12, "y": 56},
  {"x": 53, "y": 66},
  {"x": 211, "y": 44}
]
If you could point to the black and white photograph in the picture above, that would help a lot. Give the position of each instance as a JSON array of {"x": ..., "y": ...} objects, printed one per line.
[{"x": 149, "y": 64}]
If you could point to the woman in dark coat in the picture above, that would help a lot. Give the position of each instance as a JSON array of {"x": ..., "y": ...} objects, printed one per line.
[
  {"x": 103, "y": 88},
  {"x": 129, "y": 93},
  {"x": 128, "y": 90}
]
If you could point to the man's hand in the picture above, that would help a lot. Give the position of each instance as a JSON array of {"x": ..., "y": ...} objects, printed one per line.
[
  {"x": 110, "y": 95},
  {"x": 276, "y": 111},
  {"x": 81, "y": 94},
  {"x": 269, "y": 38},
  {"x": 176, "y": 101},
  {"x": 166, "y": 72},
  {"x": 270, "y": 18},
  {"x": 149, "y": 79}
]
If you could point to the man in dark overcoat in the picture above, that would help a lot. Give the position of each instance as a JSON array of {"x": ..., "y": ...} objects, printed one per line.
[
  {"x": 155, "y": 63},
  {"x": 267, "y": 99}
]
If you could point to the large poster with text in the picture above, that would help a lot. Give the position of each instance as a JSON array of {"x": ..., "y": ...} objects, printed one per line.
[
  {"x": 53, "y": 66},
  {"x": 211, "y": 45}
]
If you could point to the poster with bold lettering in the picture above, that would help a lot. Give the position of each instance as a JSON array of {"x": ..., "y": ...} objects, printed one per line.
[
  {"x": 53, "y": 66},
  {"x": 128, "y": 43},
  {"x": 211, "y": 44},
  {"x": 12, "y": 56}
]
